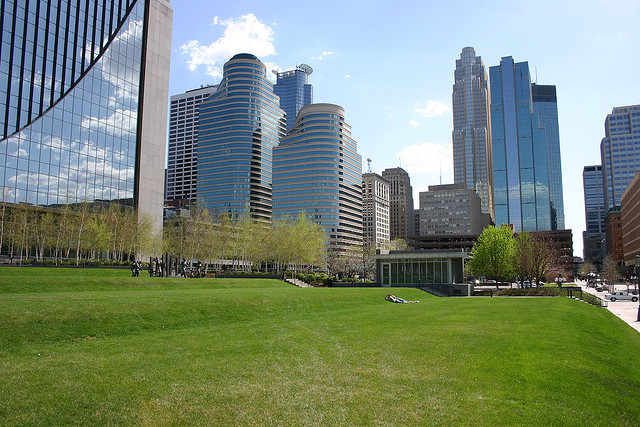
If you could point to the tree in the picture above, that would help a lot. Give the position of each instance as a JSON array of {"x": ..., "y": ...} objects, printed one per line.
[
  {"x": 493, "y": 253},
  {"x": 532, "y": 257},
  {"x": 586, "y": 268},
  {"x": 610, "y": 271}
]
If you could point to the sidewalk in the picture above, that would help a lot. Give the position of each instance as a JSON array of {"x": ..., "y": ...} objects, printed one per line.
[{"x": 625, "y": 310}]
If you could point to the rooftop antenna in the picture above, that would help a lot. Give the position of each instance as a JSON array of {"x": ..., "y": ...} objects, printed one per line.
[
  {"x": 368, "y": 165},
  {"x": 440, "y": 164},
  {"x": 400, "y": 161},
  {"x": 536, "y": 74}
]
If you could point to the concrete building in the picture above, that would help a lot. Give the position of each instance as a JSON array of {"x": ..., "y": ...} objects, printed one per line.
[
  {"x": 620, "y": 152},
  {"x": 294, "y": 91},
  {"x": 472, "y": 158},
  {"x": 237, "y": 135},
  {"x": 401, "y": 203},
  {"x": 593, "y": 237},
  {"x": 545, "y": 105},
  {"x": 84, "y": 95},
  {"x": 519, "y": 146},
  {"x": 317, "y": 170},
  {"x": 375, "y": 210},
  {"x": 630, "y": 216},
  {"x": 182, "y": 165},
  {"x": 613, "y": 224},
  {"x": 450, "y": 209}
]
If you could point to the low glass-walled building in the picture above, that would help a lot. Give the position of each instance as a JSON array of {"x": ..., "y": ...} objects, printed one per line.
[{"x": 416, "y": 268}]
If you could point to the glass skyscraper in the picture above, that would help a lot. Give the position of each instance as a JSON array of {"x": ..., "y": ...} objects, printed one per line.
[
  {"x": 294, "y": 91},
  {"x": 520, "y": 165},
  {"x": 545, "y": 104},
  {"x": 239, "y": 126},
  {"x": 620, "y": 152},
  {"x": 595, "y": 214},
  {"x": 74, "y": 77},
  {"x": 472, "y": 159},
  {"x": 317, "y": 170}
]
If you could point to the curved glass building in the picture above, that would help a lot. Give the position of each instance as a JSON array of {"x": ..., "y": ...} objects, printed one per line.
[
  {"x": 240, "y": 124},
  {"x": 83, "y": 101},
  {"x": 317, "y": 170}
]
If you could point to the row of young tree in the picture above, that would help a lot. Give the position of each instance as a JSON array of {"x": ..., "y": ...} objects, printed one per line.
[
  {"x": 500, "y": 254},
  {"x": 78, "y": 232},
  {"x": 243, "y": 243}
]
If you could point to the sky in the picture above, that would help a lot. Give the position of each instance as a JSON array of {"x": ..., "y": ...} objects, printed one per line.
[{"x": 390, "y": 64}]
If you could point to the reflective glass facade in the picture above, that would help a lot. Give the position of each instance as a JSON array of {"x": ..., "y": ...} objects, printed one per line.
[
  {"x": 70, "y": 87},
  {"x": 294, "y": 91},
  {"x": 317, "y": 170},
  {"x": 520, "y": 166},
  {"x": 595, "y": 213},
  {"x": 239, "y": 126},
  {"x": 620, "y": 152},
  {"x": 472, "y": 159},
  {"x": 545, "y": 105}
]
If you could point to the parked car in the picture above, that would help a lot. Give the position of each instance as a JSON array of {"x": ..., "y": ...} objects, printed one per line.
[{"x": 614, "y": 296}]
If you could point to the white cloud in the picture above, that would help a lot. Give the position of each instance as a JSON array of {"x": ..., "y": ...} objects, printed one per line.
[
  {"x": 348, "y": 76},
  {"x": 432, "y": 109},
  {"x": 246, "y": 34},
  {"x": 324, "y": 54},
  {"x": 413, "y": 123},
  {"x": 427, "y": 158}
]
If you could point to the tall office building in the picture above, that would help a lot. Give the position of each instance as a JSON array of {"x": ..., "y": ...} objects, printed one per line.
[
  {"x": 239, "y": 126},
  {"x": 83, "y": 102},
  {"x": 520, "y": 165},
  {"x": 317, "y": 170},
  {"x": 182, "y": 165},
  {"x": 620, "y": 152},
  {"x": 545, "y": 104},
  {"x": 595, "y": 213},
  {"x": 375, "y": 210},
  {"x": 401, "y": 211},
  {"x": 294, "y": 91},
  {"x": 472, "y": 159},
  {"x": 450, "y": 209}
]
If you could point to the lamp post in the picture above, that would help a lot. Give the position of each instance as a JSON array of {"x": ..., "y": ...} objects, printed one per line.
[{"x": 636, "y": 264}]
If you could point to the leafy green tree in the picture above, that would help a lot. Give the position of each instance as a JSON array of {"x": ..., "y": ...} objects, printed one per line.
[{"x": 493, "y": 253}]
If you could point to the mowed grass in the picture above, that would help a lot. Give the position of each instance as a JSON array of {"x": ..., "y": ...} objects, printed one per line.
[{"x": 98, "y": 347}]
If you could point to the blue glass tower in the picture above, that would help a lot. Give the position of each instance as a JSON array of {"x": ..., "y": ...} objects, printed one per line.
[
  {"x": 317, "y": 170},
  {"x": 82, "y": 115},
  {"x": 240, "y": 124},
  {"x": 294, "y": 91},
  {"x": 545, "y": 104},
  {"x": 520, "y": 171}
]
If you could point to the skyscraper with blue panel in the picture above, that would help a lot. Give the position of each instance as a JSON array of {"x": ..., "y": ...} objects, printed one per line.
[
  {"x": 239, "y": 126},
  {"x": 318, "y": 171},
  {"x": 545, "y": 104},
  {"x": 294, "y": 91},
  {"x": 520, "y": 165}
]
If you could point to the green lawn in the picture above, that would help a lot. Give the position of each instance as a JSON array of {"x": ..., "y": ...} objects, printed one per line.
[{"x": 98, "y": 347}]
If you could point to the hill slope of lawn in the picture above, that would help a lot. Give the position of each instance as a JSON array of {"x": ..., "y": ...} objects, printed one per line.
[{"x": 99, "y": 347}]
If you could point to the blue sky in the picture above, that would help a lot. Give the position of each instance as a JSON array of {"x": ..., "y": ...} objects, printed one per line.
[{"x": 390, "y": 65}]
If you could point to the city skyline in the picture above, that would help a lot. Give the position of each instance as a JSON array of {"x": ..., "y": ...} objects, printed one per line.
[{"x": 378, "y": 62}]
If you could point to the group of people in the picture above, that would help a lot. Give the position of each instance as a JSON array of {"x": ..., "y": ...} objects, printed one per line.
[
  {"x": 394, "y": 298},
  {"x": 192, "y": 270},
  {"x": 136, "y": 266}
]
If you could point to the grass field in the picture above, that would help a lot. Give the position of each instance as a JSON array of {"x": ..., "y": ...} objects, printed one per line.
[{"x": 98, "y": 347}]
